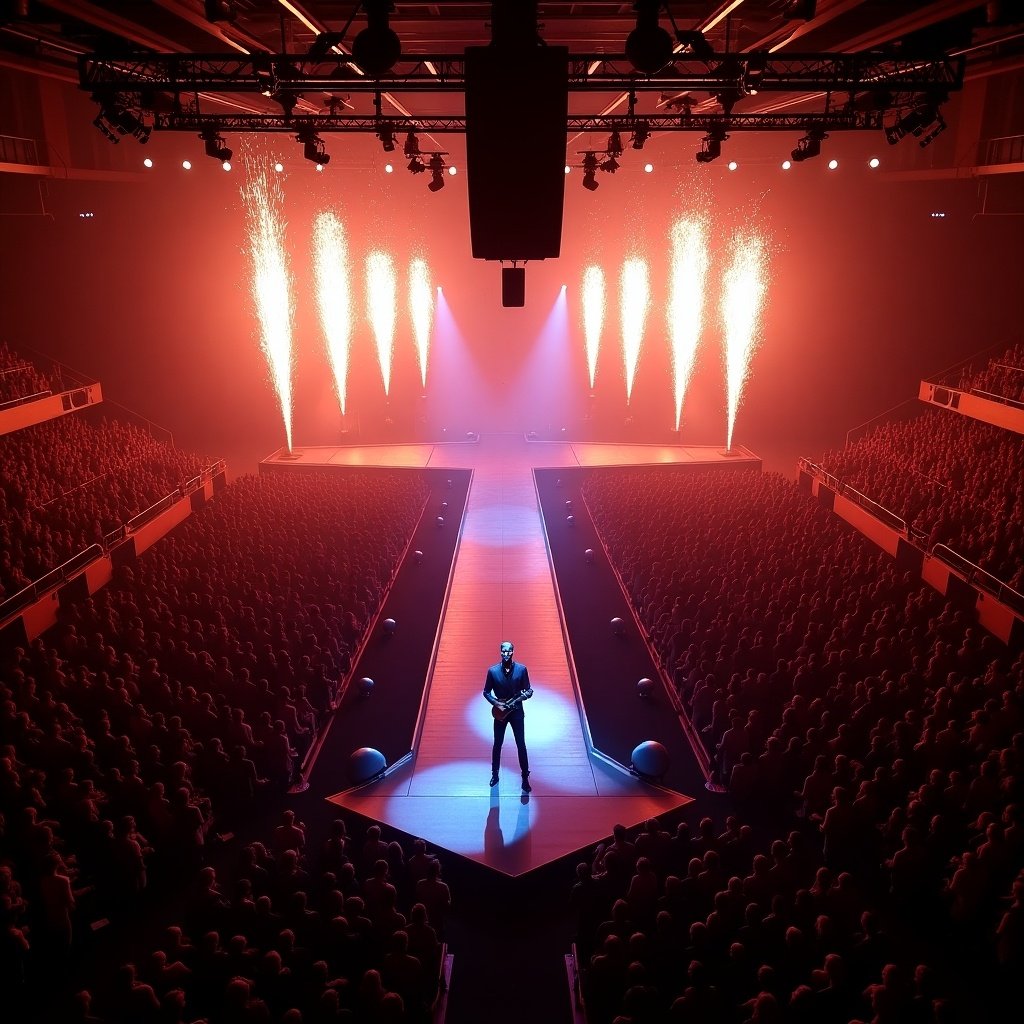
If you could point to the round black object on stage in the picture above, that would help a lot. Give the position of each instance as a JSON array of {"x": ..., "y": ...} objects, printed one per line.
[
  {"x": 618, "y": 626},
  {"x": 365, "y": 764},
  {"x": 645, "y": 687},
  {"x": 650, "y": 760}
]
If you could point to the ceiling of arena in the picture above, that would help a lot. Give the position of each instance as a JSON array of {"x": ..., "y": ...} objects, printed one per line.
[{"x": 46, "y": 37}]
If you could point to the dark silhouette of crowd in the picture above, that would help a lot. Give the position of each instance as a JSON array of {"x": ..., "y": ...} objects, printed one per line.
[
  {"x": 67, "y": 483},
  {"x": 871, "y": 736},
  {"x": 160, "y": 712},
  {"x": 955, "y": 479},
  {"x": 1003, "y": 376},
  {"x": 20, "y": 378}
]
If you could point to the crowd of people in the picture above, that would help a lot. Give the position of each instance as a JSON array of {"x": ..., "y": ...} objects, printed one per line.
[
  {"x": 157, "y": 712},
  {"x": 19, "y": 377},
  {"x": 66, "y": 483},
  {"x": 1003, "y": 376},
  {"x": 955, "y": 479},
  {"x": 872, "y": 739}
]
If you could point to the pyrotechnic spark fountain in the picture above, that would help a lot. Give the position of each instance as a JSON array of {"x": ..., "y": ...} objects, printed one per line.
[
  {"x": 334, "y": 297},
  {"x": 421, "y": 308},
  {"x": 686, "y": 300},
  {"x": 271, "y": 284},
  {"x": 743, "y": 293},
  {"x": 593, "y": 315},
  {"x": 634, "y": 298},
  {"x": 380, "y": 309}
]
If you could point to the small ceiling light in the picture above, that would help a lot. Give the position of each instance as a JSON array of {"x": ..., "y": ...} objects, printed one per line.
[
  {"x": 412, "y": 145},
  {"x": 567, "y": 168},
  {"x": 874, "y": 162},
  {"x": 279, "y": 167},
  {"x": 453, "y": 170},
  {"x": 186, "y": 164},
  {"x": 648, "y": 168},
  {"x": 416, "y": 165},
  {"x": 733, "y": 165},
  {"x": 148, "y": 162},
  {"x": 436, "y": 165},
  {"x": 319, "y": 167},
  {"x": 786, "y": 165},
  {"x": 833, "y": 164},
  {"x": 226, "y": 165},
  {"x": 388, "y": 168},
  {"x": 640, "y": 136}
]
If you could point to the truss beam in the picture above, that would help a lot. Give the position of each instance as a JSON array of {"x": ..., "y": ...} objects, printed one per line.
[{"x": 744, "y": 72}]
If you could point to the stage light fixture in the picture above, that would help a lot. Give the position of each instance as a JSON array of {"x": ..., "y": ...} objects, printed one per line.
[
  {"x": 833, "y": 164},
  {"x": 614, "y": 147},
  {"x": 757, "y": 64},
  {"x": 648, "y": 168},
  {"x": 416, "y": 165},
  {"x": 648, "y": 46},
  {"x": 387, "y": 140},
  {"x": 809, "y": 146},
  {"x": 148, "y": 162},
  {"x": 389, "y": 168},
  {"x": 611, "y": 165},
  {"x": 567, "y": 168},
  {"x": 377, "y": 48},
  {"x": 226, "y": 165},
  {"x": 214, "y": 145},
  {"x": 590, "y": 171},
  {"x": 412, "y": 145},
  {"x": 453, "y": 170},
  {"x": 711, "y": 146},
  {"x": 436, "y": 165},
  {"x": 640, "y": 136},
  {"x": 313, "y": 149},
  {"x": 186, "y": 165},
  {"x": 279, "y": 167},
  {"x": 220, "y": 10},
  {"x": 786, "y": 165},
  {"x": 696, "y": 42},
  {"x": 733, "y": 165}
]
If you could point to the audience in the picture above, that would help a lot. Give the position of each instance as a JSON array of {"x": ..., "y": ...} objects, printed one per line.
[
  {"x": 876, "y": 737},
  {"x": 1002, "y": 377},
  {"x": 19, "y": 379},
  {"x": 66, "y": 483},
  {"x": 953, "y": 478},
  {"x": 153, "y": 715}
]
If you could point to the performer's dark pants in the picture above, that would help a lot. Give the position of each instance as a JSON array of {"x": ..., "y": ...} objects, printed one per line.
[{"x": 518, "y": 730}]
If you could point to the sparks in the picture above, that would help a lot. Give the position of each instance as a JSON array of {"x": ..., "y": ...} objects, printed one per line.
[
  {"x": 593, "y": 315},
  {"x": 380, "y": 309},
  {"x": 333, "y": 294},
  {"x": 272, "y": 285},
  {"x": 686, "y": 300},
  {"x": 634, "y": 300},
  {"x": 743, "y": 293},
  {"x": 421, "y": 309}
]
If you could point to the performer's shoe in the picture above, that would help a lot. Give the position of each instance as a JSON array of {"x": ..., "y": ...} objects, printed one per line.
[
  {"x": 527, "y": 788},
  {"x": 494, "y": 779}
]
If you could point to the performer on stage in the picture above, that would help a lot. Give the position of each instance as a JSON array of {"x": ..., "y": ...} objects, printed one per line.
[{"x": 506, "y": 687}]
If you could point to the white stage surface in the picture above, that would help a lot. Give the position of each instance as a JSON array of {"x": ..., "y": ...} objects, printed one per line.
[{"x": 502, "y": 590}]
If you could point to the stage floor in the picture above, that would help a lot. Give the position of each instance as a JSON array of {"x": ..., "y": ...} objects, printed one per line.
[{"x": 502, "y": 589}]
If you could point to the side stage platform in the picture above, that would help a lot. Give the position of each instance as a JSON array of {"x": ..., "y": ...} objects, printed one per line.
[{"x": 502, "y": 589}]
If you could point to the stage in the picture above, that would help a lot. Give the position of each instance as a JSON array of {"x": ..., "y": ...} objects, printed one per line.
[{"x": 502, "y": 589}]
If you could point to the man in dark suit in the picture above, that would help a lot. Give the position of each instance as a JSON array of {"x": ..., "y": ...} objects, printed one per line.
[{"x": 505, "y": 682}]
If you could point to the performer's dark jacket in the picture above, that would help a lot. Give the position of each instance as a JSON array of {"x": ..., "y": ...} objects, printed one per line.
[{"x": 504, "y": 687}]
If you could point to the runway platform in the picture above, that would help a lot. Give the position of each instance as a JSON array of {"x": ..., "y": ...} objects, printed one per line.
[{"x": 502, "y": 589}]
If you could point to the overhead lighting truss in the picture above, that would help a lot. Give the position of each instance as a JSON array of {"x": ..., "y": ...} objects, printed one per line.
[
  {"x": 836, "y": 121},
  {"x": 854, "y": 91}
]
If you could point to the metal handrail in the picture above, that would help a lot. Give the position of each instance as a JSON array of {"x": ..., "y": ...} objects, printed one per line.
[
  {"x": 881, "y": 415},
  {"x": 978, "y": 577},
  {"x": 13, "y": 403}
]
